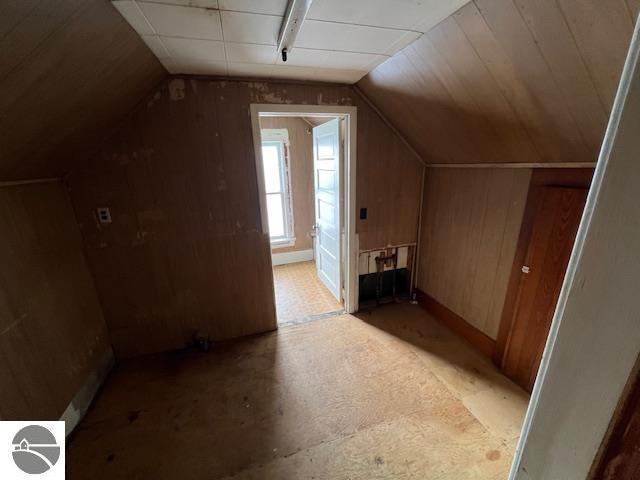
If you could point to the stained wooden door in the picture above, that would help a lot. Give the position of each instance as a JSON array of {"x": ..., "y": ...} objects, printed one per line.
[{"x": 554, "y": 230}]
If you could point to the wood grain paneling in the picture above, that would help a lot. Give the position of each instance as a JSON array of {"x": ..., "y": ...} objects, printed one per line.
[
  {"x": 454, "y": 322},
  {"x": 503, "y": 81},
  {"x": 471, "y": 221},
  {"x": 301, "y": 178},
  {"x": 69, "y": 72},
  {"x": 388, "y": 184},
  {"x": 185, "y": 252},
  {"x": 52, "y": 331}
]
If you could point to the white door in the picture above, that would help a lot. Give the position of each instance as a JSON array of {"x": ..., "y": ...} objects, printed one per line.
[{"x": 326, "y": 158}]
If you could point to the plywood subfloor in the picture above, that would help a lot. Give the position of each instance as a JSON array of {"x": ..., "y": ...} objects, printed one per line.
[
  {"x": 385, "y": 395},
  {"x": 300, "y": 294}
]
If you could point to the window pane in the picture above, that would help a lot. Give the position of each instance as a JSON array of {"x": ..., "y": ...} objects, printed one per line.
[
  {"x": 271, "y": 162},
  {"x": 275, "y": 214}
]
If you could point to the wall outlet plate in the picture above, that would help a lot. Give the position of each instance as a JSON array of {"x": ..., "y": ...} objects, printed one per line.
[{"x": 103, "y": 214}]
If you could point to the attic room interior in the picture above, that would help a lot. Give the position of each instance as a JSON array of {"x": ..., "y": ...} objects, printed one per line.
[{"x": 319, "y": 239}]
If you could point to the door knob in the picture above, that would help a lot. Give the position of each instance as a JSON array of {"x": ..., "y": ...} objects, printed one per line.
[{"x": 525, "y": 269}]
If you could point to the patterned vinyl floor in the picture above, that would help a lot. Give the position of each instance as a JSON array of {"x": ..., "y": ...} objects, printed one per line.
[{"x": 300, "y": 293}]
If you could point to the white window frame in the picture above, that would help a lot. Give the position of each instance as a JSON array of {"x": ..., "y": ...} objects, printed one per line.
[{"x": 280, "y": 138}]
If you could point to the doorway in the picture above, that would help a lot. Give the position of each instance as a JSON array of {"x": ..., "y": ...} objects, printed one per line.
[
  {"x": 552, "y": 215},
  {"x": 304, "y": 165}
]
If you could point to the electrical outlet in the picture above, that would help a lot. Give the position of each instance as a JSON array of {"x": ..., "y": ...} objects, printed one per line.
[{"x": 103, "y": 214}]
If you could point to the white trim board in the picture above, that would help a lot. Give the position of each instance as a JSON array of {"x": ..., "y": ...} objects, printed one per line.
[
  {"x": 16, "y": 183},
  {"x": 514, "y": 165},
  {"x": 285, "y": 258},
  {"x": 595, "y": 334},
  {"x": 350, "y": 114},
  {"x": 81, "y": 401}
]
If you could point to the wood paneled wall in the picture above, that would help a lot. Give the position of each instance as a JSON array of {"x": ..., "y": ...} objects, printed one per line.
[
  {"x": 504, "y": 81},
  {"x": 52, "y": 331},
  {"x": 471, "y": 223},
  {"x": 301, "y": 178},
  {"x": 185, "y": 252},
  {"x": 70, "y": 70}
]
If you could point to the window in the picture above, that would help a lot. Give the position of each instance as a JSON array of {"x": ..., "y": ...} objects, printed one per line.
[{"x": 277, "y": 191}]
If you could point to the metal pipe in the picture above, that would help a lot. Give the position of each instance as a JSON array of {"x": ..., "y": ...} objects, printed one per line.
[
  {"x": 395, "y": 270},
  {"x": 416, "y": 253}
]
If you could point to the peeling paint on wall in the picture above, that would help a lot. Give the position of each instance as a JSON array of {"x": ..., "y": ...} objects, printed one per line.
[
  {"x": 191, "y": 172},
  {"x": 176, "y": 89}
]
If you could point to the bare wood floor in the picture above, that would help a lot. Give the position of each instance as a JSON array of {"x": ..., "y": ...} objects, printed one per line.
[{"x": 386, "y": 395}]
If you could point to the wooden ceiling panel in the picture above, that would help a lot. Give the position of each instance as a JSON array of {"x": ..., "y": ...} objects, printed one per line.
[
  {"x": 602, "y": 30},
  {"x": 29, "y": 27},
  {"x": 69, "y": 71},
  {"x": 504, "y": 81}
]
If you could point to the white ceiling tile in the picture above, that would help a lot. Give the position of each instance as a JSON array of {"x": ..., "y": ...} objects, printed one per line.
[
  {"x": 251, "y": 53},
  {"x": 250, "y": 28},
  {"x": 249, "y": 70},
  {"x": 438, "y": 11},
  {"x": 400, "y": 14},
  {"x": 192, "y": 49},
  {"x": 339, "y": 42},
  {"x": 334, "y": 75},
  {"x": 354, "y": 61},
  {"x": 291, "y": 71},
  {"x": 305, "y": 57},
  {"x": 132, "y": 14},
  {"x": 270, "y": 7},
  {"x": 401, "y": 42},
  {"x": 178, "y": 21},
  {"x": 191, "y": 3},
  {"x": 343, "y": 37},
  {"x": 192, "y": 67},
  {"x": 156, "y": 46},
  {"x": 318, "y": 74}
]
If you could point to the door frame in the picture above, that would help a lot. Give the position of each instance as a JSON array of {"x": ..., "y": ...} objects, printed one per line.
[{"x": 350, "y": 238}]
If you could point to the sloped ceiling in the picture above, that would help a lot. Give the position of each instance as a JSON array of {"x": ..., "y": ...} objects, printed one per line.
[
  {"x": 504, "y": 81},
  {"x": 69, "y": 70},
  {"x": 498, "y": 81}
]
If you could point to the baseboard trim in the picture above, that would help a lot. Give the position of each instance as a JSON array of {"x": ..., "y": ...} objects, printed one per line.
[
  {"x": 291, "y": 257},
  {"x": 80, "y": 403},
  {"x": 481, "y": 341}
]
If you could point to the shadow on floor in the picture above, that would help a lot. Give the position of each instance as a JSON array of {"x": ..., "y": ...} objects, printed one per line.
[
  {"x": 333, "y": 398},
  {"x": 413, "y": 325}
]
